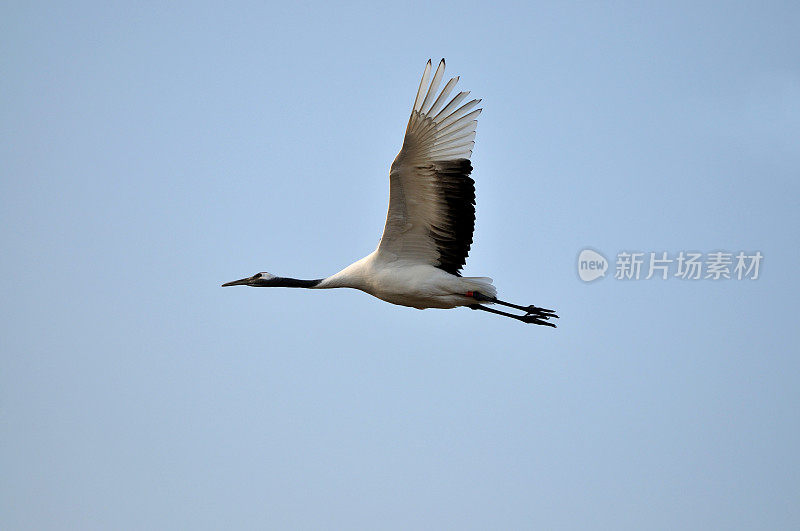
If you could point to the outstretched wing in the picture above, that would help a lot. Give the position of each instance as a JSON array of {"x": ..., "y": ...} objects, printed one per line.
[{"x": 432, "y": 197}]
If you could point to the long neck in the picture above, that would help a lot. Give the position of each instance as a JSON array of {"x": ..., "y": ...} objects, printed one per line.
[
  {"x": 282, "y": 282},
  {"x": 353, "y": 276}
]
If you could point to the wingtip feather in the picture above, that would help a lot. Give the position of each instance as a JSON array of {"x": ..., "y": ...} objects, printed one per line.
[
  {"x": 443, "y": 129},
  {"x": 433, "y": 88},
  {"x": 423, "y": 83}
]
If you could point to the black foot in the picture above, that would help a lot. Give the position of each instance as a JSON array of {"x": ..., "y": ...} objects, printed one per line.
[
  {"x": 539, "y": 318},
  {"x": 533, "y": 314},
  {"x": 534, "y": 319},
  {"x": 542, "y": 313}
]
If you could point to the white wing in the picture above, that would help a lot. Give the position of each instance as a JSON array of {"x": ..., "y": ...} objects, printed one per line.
[{"x": 432, "y": 197}]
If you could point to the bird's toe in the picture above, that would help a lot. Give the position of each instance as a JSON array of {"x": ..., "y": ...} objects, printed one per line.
[
  {"x": 542, "y": 313},
  {"x": 534, "y": 319}
]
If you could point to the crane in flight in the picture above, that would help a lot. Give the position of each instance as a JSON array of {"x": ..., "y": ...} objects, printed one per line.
[{"x": 431, "y": 217}]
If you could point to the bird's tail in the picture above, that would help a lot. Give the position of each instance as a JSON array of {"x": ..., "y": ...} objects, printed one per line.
[{"x": 482, "y": 285}]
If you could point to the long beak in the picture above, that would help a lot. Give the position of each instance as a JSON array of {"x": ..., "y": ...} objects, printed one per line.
[{"x": 242, "y": 282}]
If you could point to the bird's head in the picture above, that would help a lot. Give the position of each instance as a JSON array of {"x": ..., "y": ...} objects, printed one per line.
[{"x": 258, "y": 280}]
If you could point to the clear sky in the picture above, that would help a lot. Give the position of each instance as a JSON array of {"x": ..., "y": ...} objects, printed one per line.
[{"x": 148, "y": 154}]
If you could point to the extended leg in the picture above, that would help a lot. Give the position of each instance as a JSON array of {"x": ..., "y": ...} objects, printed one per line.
[
  {"x": 527, "y": 318},
  {"x": 541, "y": 313}
]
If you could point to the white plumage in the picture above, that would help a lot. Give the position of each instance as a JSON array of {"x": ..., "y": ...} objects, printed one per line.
[{"x": 431, "y": 216}]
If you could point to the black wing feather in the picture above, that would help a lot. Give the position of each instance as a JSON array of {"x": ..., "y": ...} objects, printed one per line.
[{"x": 453, "y": 236}]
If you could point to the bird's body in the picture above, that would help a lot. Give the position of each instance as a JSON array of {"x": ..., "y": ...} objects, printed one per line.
[
  {"x": 431, "y": 217},
  {"x": 408, "y": 283}
]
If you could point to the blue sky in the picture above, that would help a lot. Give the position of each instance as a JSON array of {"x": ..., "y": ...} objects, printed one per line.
[{"x": 150, "y": 153}]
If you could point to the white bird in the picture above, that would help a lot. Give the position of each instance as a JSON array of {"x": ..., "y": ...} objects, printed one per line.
[{"x": 431, "y": 217}]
